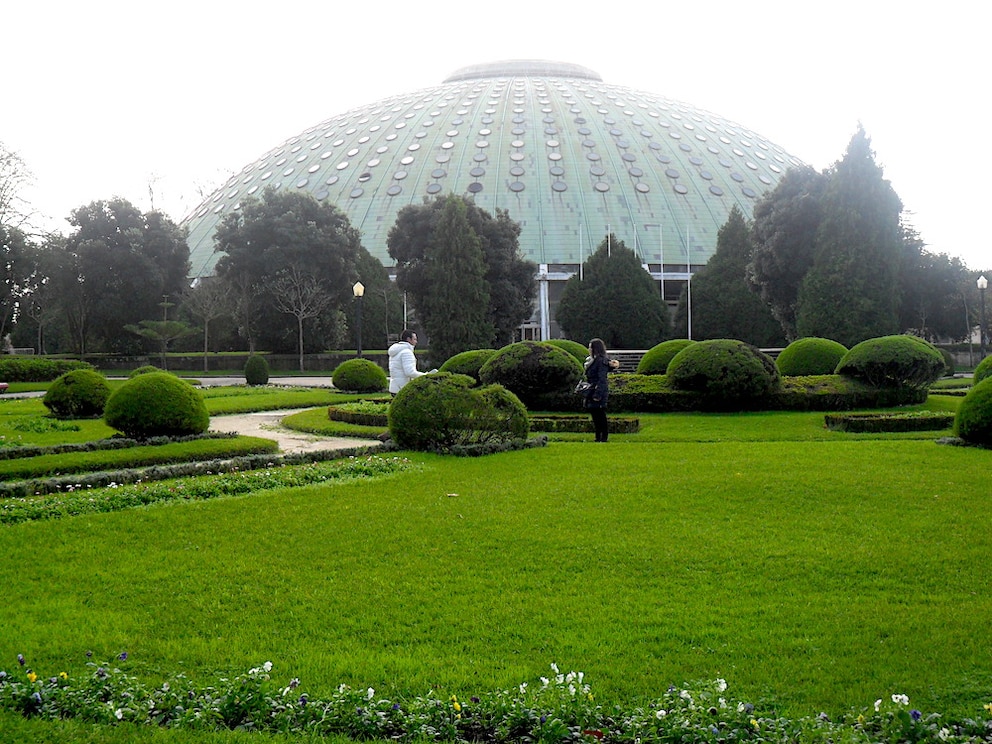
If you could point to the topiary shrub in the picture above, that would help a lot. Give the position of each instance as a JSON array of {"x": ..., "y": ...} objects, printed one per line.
[
  {"x": 983, "y": 370},
  {"x": 360, "y": 376},
  {"x": 810, "y": 356},
  {"x": 893, "y": 361},
  {"x": 973, "y": 421},
  {"x": 144, "y": 370},
  {"x": 81, "y": 393},
  {"x": 256, "y": 370},
  {"x": 442, "y": 411},
  {"x": 950, "y": 366},
  {"x": 36, "y": 369},
  {"x": 574, "y": 348},
  {"x": 156, "y": 404},
  {"x": 468, "y": 362},
  {"x": 657, "y": 358},
  {"x": 530, "y": 369},
  {"x": 726, "y": 372}
]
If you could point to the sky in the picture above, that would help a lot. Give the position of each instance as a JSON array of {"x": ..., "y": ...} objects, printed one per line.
[{"x": 160, "y": 102}]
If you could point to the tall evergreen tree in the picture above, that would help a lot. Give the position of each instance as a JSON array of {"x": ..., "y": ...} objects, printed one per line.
[
  {"x": 723, "y": 303},
  {"x": 615, "y": 300},
  {"x": 851, "y": 292}
]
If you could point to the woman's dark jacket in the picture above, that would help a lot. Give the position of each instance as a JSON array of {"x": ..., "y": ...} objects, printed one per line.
[{"x": 597, "y": 371}]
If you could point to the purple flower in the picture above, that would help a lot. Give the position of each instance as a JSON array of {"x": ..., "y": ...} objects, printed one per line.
[
  {"x": 89, "y": 654},
  {"x": 294, "y": 683},
  {"x": 915, "y": 714},
  {"x": 396, "y": 706},
  {"x": 474, "y": 698},
  {"x": 101, "y": 672},
  {"x": 544, "y": 719},
  {"x": 20, "y": 659},
  {"x": 303, "y": 700},
  {"x": 36, "y": 696},
  {"x": 123, "y": 656}
]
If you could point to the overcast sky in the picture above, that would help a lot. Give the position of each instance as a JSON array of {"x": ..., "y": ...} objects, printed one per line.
[{"x": 165, "y": 100}]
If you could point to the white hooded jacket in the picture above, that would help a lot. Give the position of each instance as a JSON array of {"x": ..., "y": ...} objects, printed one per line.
[{"x": 402, "y": 365}]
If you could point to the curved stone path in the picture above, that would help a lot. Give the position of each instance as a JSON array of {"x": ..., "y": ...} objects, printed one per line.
[{"x": 268, "y": 424}]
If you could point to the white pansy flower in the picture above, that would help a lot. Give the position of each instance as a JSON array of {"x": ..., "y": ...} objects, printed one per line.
[
  {"x": 370, "y": 693},
  {"x": 267, "y": 666},
  {"x": 661, "y": 713},
  {"x": 721, "y": 685},
  {"x": 900, "y": 699},
  {"x": 878, "y": 704}
]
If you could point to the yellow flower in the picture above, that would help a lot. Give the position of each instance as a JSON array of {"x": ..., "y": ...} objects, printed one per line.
[
  {"x": 861, "y": 719},
  {"x": 458, "y": 706},
  {"x": 754, "y": 723},
  {"x": 63, "y": 675},
  {"x": 32, "y": 677},
  {"x": 988, "y": 707}
]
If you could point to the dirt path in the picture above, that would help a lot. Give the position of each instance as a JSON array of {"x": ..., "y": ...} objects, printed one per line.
[{"x": 267, "y": 424}]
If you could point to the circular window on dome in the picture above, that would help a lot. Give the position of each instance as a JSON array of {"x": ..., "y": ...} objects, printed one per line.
[
  {"x": 559, "y": 186},
  {"x": 321, "y": 195},
  {"x": 680, "y": 189},
  {"x": 313, "y": 169},
  {"x": 414, "y": 147},
  {"x": 675, "y": 135},
  {"x": 399, "y": 175},
  {"x": 706, "y": 175},
  {"x": 482, "y": 143},
  {"x": 438, "y": 173},
  {"x": 696, "y": 161},
  {"x": 516, "y": 171},
  {"x": 516, "y": 187},
  {"x": 749, "y": 192},
  {"x": 253, "y": 189},
  {"x": 592, "y": 156},
  {"x": 623, "y": 144},
  {"x": 765, "y": 179},
  {"x": 477, "y": 172},
  {"x": 288, "y": 172},
  {"x": 654, "y": 145},
  {"x": 550, "y": 130},
  {"x": 373, "y": 162},
  {"x": 485, "y": 132},
  {"x": 353, "y": 152},
  {"x": 433, "y": 188},
  {"x": 280, "y": 161},
  {"x": 585, "y": 131},
  {"x": 737, "y": 177},
  {"x": 671, "y": 173},
  {"x": 725, "y": 163},
  {"x": 555, "y": 170},
  {"x": 394, "y": 190},
  {"x": 517, "y": 143},
  {"x": 331, "y": 181},
  {"x": 406, "y": 161},
  {"x": 475, "y": 187},
  {"x": 615, "y": 132},
  {"x": 716, "y": 191},
  {"x": 642, "y": 188},
  {"x": 554, "y": 156},
  {"x": 749, "y": 164},
  {"x": 553, "y": 143},
  {"x": 355, "y": 193},
  {"x": 628, "y": 157},
  {"x": 302, "y": 182},
  {"x": 479, "y": 157},
  {"x": 517, "y": 156},
  {"x": 342, "y": 165},
  {"x": 601, "y": 186},
  {"x": 684, "y": 147},
  {"x": 635, "y": 172},
  {"x": 588, "y": 143},
  {"x": 443, "y": 158},
  {"x": 364, "y": 177},
  {"x": 517, "y": 131},
  {"x": 598, "y": 171},
  {"x": 362, "y": 140},
  {"x": 447, "y": 145}
]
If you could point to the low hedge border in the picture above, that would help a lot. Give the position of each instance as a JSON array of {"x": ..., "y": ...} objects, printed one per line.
[
  {"x": 13, "y": 453},
  {"x": 869, "y": 423},
  {"x": 62, "y": 483},
  {"x": 582, "y": 425},
  {"x": 335, "y": 413}
]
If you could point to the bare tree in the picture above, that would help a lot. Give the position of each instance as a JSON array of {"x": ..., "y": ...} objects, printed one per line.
[
  {"x": 301, "y": 295},
  {"x": 14, "y": 176},
  {"x": 207, "y": 300},
  {"x": 244, "y": 303}
]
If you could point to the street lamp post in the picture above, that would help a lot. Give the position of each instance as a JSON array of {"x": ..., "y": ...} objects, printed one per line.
[
  {"x": 983, "y": 284},
  {"x": 359, "y": 290}
]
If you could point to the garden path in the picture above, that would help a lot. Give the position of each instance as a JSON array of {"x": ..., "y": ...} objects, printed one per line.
[{"x": 268, "y": 424}]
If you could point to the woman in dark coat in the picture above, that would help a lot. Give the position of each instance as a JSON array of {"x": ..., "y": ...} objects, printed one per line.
[{"x": 598, "y": 366}]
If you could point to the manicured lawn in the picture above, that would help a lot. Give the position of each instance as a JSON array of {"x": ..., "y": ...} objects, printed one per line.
[{"x": 813, "y": 569}]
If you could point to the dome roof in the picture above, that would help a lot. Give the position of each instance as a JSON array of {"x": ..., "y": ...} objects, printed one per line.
[{"x": 568, "y": 156}]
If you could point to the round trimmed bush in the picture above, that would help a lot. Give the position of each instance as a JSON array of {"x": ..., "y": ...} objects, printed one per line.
[
  {"x": 724, "y": 370},
  {"x": 256, "y": 370},
  {"x": 950, "y": 366},
  {"x": 574, "y": 348},
  {"x": 468, "y": 362},
  {"x": 973, "y": 421},
  {"x": 443, "y": 410},
  {"x": 144, "y": 370},
  {"x": 157, "y": 404},
  {"x": 657, "y": 358},
  {"x": 530, "y": 369},
  {"x": 983, "y": 370},
  {"x": 81, "y": 393},
  {"x": 810, "y": 356},
  {"x": 893, "y": 361},
  {"x": 360, "y": 376}
]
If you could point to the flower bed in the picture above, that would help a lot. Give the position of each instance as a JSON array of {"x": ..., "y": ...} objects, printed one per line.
[{"x": 889, "y": 422}]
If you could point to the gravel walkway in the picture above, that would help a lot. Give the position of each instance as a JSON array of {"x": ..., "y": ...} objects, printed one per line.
[{"x": 267, "y": 424}]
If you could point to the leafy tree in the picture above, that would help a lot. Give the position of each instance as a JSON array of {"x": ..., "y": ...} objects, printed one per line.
[
  {"x": 723, "y": 303},
  {"x": 267, "y": 236},
  {"x": 615, "y": 300},
  {"x": 509, "y": 279},
  {"x": 931, "y": 288},
  {"x": 118, "y": 264},
  {"x": 851, "y": 292},
  {"x": 162, "y": 331},
  {"x": 785, "y": 225}
]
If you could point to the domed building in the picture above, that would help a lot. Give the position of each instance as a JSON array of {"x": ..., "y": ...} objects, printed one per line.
[{"x": 570, "y": 157}]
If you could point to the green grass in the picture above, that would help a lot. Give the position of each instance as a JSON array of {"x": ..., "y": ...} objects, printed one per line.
[{"x": 818, "y": 570}]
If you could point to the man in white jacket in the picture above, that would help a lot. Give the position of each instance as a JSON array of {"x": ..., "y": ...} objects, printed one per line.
[{"x": 402, "y": 362}]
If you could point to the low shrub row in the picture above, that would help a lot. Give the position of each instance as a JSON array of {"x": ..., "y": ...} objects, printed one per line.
[
  {"x": 216, "y": 479},
  {"x": 36, "y": 369},
  {"x": 12, "y": 453},
  {"x": 132, "y": 457},
  {"x": 583, "y": 424},
  {"x": 889, "y": 422}
]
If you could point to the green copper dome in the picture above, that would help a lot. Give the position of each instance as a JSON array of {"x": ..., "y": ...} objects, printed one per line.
[{"x": 569, "y": 156}]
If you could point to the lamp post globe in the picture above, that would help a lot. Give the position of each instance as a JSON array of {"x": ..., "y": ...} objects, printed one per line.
[{"x": 359, "y": 291}]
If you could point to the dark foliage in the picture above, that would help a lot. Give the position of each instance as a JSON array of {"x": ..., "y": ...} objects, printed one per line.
[
  {"x": 810, "y": 356},
  {"x": 530, "y": 369},
  {"x": 81, "y": 393},
  {"x": 894, "y": 361},
  {"x": 727, "y": 371},
  {"x": 256, "y": 370},
  {"x": 157, "y": 404},
  {"x": 468, "y": 362},
  {"x": 359, "y": 376},
  {"x": 36, "y": 369},
  {"x": 657, "y": 358}
]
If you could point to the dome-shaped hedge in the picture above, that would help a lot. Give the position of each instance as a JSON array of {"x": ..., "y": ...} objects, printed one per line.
[
  {"x": 893, "y": 361},
  {"x": 983, "y": 370},
  {"x": 256, "y": 370},
  {"x": 360, "y": 376},
  {"x": 157, "y": 404},
  {"x": 81, "y": 393},
  {"x": 724, "y": 370},
  {"x": 657, "y": 358},
  {"x": 468, "y": 362},
  {"x": 574, "y": 348},
  {"x": 530, "y": 369},
  {"x": 810, "y": 356},
  {"x": 442, "y": 410},
  {"x": 973, "y": 421},
  {"x": 144, "y": 370}
]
